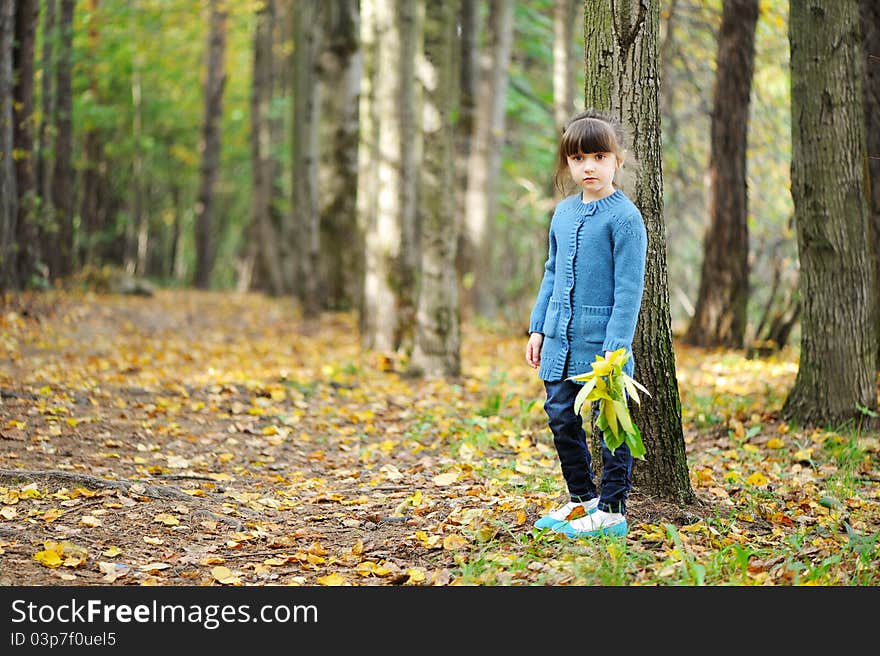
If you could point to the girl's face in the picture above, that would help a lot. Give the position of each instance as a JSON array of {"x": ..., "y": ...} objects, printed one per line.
[{"x": 594, "y": 173}]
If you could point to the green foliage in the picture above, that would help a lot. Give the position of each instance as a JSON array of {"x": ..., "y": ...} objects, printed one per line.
[{"x": 609, "y": 385}]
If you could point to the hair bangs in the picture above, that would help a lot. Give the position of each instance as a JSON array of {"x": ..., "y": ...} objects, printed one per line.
[{"x": 589, "y": 135}]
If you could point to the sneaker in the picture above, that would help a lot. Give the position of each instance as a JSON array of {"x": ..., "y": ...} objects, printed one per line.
[
  {"x": 595, "y": 524},
  {"x": 570, "y": 511}
]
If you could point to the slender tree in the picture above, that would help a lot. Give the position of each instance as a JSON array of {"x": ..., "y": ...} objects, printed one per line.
[
  {"x": 722, "y": 302},
  {"x": 622, "y": 78},
  {"x": 205, "y": 206},
  {"x": 437, "y": 340},
  {"x": 264, "y": 240},
  {"x": 485, "y": 156},
  {"x": 837, "y": 371},
  {"x": 389, "y": 140},
  {"x": 8, "y": 193},
  {"x": 62, "y": 174},
  {"x": 340, "y": 74},
  {"x": 307, "y": 35},
  {"x": 47, "y": 105}
]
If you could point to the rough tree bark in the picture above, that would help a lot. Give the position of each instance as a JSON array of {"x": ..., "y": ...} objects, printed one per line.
[
  {"x": 62, "y": 175},
  {"x": 437, "y": 340},
  {"x": 837, "y": 371},
  {"x": 622, "y": 78}
]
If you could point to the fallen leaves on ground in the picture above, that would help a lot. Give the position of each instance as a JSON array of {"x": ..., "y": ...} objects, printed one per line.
[{"x": 199, "y": 438}]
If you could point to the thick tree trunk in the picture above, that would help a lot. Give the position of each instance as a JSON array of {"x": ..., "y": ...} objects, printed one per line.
[
  {"x": 870, "y": 10},
  {"x": 61, "y": 243},
  {"x": 721, "y": 310},
  {"x": 437, "y": 340},
  {"x": 340, "y": 67},
  {"x": 485, "y": 159},
  {"x": 205, "y": 219},
  {"x": 622, "y": 78},
  {"x": 263, "y": 238},
  {"x": 837, "y": 371},
  {"x": 8, "y": 192},
  {"x": 386, "y": 233}
]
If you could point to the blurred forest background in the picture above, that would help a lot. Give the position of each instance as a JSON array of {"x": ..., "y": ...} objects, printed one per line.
[{"x": 131, "y": 80}]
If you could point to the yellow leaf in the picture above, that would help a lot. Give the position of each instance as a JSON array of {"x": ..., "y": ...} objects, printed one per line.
[
  {"x": 167, "y": 519},
  {"x": 8, "y": 512},
  {"x": 89, "y": 520},
  {"x": 52, "y": 514},
  {"x": 331, "y": 579},
  {"x": 224, "y": 575},
  {"x": 757, "y": 479},
  {"x": 453, "y": 541},
  {"x": 149, "y": 539},
  {"x": 775, "y": 443},
  {"x": 48, "y": 557},
  {"x": 111, "y": 552},
  {"x": 416, "y": 575}
]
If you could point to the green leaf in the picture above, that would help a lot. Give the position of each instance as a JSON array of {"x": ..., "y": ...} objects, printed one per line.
[
  {"x": 636, "y": 446},
  {"x": 623, "y": 416}
]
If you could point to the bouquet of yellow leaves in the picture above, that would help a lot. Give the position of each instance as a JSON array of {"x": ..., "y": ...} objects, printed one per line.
[{"x": 608, "y": 384}]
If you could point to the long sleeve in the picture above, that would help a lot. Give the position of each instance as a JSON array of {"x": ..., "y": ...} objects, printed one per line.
[
  {"x": 630, "y": 251},
  {"x": 539, "y": 311}
]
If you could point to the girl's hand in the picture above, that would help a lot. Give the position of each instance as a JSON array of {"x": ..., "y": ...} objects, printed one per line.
[{"x": 533, "y": 350}]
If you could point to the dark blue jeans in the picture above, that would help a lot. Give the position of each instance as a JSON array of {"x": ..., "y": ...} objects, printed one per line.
[{"x": 570, "y": 441}]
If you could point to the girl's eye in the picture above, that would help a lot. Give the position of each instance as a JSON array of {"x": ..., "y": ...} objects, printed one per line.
[{"x": 600, "y": 156}]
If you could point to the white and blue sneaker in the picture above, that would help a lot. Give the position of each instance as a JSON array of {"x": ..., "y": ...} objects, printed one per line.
[
  {"x": 593, "y": 525},
  {"x": 572, "y": 510}
]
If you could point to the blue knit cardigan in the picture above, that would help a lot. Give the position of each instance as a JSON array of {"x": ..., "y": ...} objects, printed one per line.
[{"x": 590, "y": 295}]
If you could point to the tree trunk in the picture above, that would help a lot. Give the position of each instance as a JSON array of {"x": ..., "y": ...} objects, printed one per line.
[
  {"x": 870, "y": 10},
  {"x": 263, "y": 238},
  {"x": 837, "y": 371},
  {"x": 385, "y": 278},
  {"x": 91, "y": 216},
  {"x": 563, "y": 62},
  {"x": 485, "y": 158},
  {"x": 368, "y": 158},
  {"x": 306, "y": 219},
  {"x": 437, "y": 340},
  {"x": 8, "y": 193},
  {"x": 61, "y": 245},
  {"x": 622, "y": 78},
  {"x": 340, "y": 73},
  {"x": 205, "y": 219},
  {"x": 47, "y": 103},
  {"x": 720, "y": 315}
]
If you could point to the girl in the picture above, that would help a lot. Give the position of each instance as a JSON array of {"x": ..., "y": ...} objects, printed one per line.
[{"x": 587, "y": 305}]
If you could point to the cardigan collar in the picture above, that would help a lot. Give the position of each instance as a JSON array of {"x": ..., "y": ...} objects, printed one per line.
[{"x": 588, "y": 209}]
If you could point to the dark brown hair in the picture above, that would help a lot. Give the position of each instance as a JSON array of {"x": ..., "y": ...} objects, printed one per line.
[{"x": 590, "y": 131}]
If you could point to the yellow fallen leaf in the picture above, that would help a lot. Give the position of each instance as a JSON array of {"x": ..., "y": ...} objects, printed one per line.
[
  {"x": 416, "y": 575},
  {"x": 48, "y": 557},
  {"x": 112, "y": 552},
  {"x": 453, "y": 541},
  {"x": 167, "y": 519},
  {"x": 8, "y": 512},
  {"x": 757, "y": 479},
  {"x": 331, "y": 579},
  {"x": 52, "y": 514},
  {"x": 775, "y": 443},
  {"x": 89, "y": 520},
  {"x": 224, "y": 575},
  {"x": 149, "y": 539}
]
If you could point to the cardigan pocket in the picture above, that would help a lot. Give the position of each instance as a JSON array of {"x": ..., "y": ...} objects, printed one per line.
[
  {"x": 551, "y": 318},
  {"x": 595, "y": 321}
]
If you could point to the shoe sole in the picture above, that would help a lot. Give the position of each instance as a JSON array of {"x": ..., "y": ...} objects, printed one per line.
[
  {"x": 553, "y": 523},
  {"x": 615, "y": 530}
]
